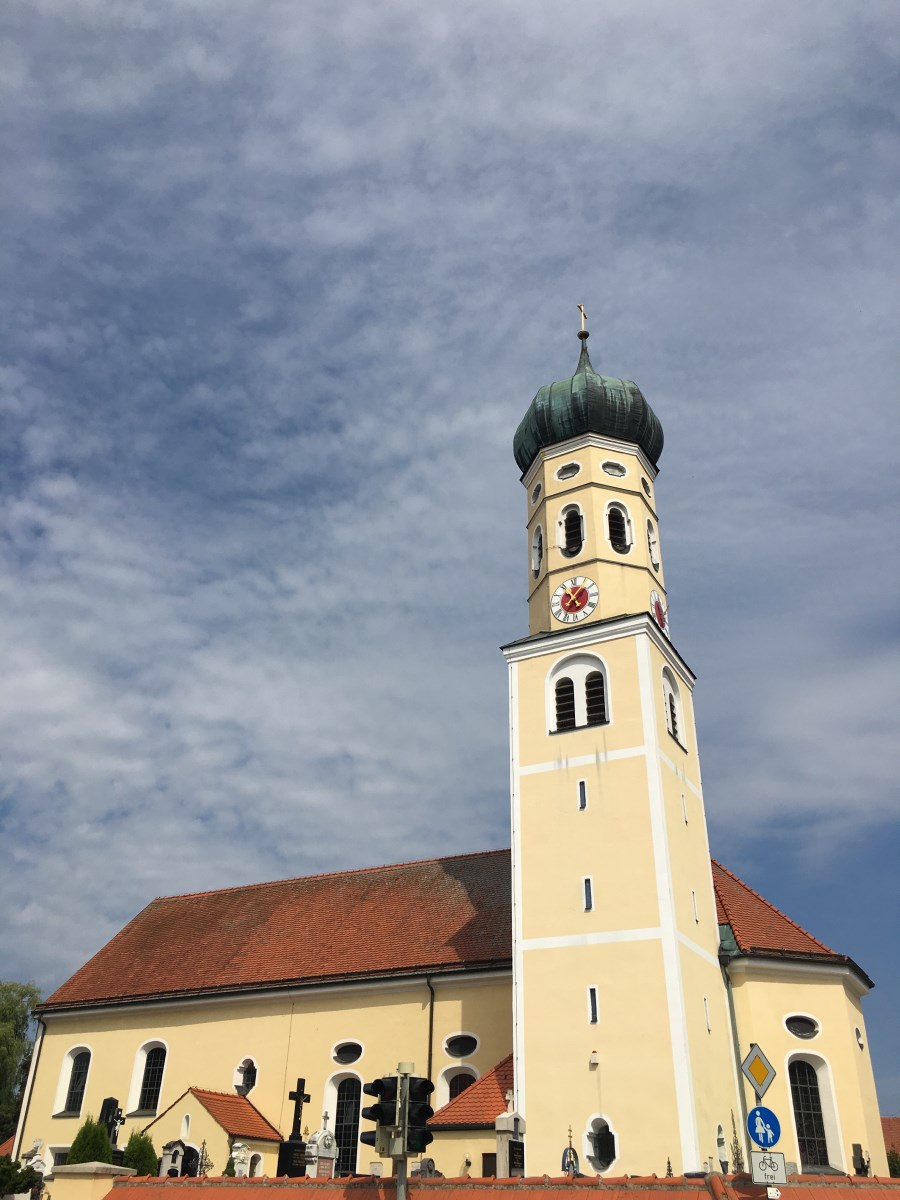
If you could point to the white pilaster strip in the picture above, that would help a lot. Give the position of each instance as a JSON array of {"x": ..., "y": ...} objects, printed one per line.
[
  {"x": 518, "y": 997},
  {"x": 681, "y": 1060},
  {"x": 605, "y": 938}
]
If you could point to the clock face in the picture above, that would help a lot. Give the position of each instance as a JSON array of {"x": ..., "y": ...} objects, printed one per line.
[
  {"x": 658, "y": 609},
  {"x": 575, "y": 599}
]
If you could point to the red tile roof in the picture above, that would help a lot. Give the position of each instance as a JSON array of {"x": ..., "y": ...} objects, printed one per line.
[
  {"x": 454, "y": 914},
  {"x": 445, "y": 914},
  {"x": 237, "y": 1115},
  {"x": 757, "y": 924},
  {"x": 234, "y": 1113},
  {"x": 890, "y": 1127},
  {"x": 480, "y": 1104},
  {"x": 6, "y": 1147}
]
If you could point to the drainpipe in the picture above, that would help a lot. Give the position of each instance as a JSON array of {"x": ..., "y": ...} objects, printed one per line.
[
  {"x": 430, "y": 1027},
  {"x": 737, "y": 1051}
]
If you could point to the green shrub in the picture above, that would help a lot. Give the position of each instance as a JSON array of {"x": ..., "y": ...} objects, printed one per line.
[
  {"x": 15, "y": 1179},
  {"x": 894, "y": 1162},
  {"x": 229, "y": 1169},
  {"x": 140, "y": 1154},
  {"x": 91, "y": 1144}
]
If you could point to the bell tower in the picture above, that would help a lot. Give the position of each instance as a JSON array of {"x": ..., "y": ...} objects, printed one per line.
[{"x": 621, "y": 1025}]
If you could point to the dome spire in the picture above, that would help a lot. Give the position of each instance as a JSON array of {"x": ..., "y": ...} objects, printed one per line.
[{"x": 584, "y": 360}]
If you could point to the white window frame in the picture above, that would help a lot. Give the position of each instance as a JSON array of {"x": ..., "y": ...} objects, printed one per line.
[
  {"x": 593, "y": 1004},
  {"x": 653, "y": 545},
  {"x": 65, "y": 1078},
  {"x": 329, "y": 1098},
  {"x": 238, "y": 1076},
  {"x": 576, "y": 667},
  {"x": 629, "y": 528},
  {"x": 833, "y": 1137},
  {"x": 137, "y": 1074},
  {"x": 670, "y": 688},
  {"x": 572, "y": 506},
  {"x": 587, "y": 1141},
  {"x": 537, "y": 560}
]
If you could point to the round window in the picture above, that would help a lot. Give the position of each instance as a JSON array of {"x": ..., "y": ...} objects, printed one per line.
[
  {"x": 859, "y": 1038},
  {"x": 536, "y": 493},
  {"x": 802, "y": 1027},
  {"x": 645, "y": 485},
  {"x": 568, "y": 471},
  {"x": 461, "y": 1045},
  {"x": 347, "y": 1052},
  {"x": 614, "y": 468}
]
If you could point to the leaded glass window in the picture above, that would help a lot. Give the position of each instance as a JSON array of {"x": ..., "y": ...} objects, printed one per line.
[
  {"x": 77, "y": 1081},
  {"x": 152, "y": 1081},
  {"x": 346, "y": 1124},
  {"x": 808, "y": 1115}
]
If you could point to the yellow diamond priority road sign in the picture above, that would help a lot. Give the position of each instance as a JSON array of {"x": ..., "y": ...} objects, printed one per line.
[{"x": 758, "y": 1071}]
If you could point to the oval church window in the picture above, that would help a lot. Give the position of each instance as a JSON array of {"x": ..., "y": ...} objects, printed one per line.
[
  {"x": 569, "y": 471},
  {"x": 802, "y": 1027},
  {"x": 347, "y": 1052},
  {"x": 461, "y": 1045}
]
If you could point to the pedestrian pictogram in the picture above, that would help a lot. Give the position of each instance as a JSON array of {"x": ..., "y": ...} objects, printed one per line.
[{"x": 763, "y": 1126}]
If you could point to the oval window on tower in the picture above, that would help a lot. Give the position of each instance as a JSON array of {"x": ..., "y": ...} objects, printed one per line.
[
  {"x": 645, "y": 485},
  {"x": 569, "y": 471},
  {"x": 461, "y": 1045},
  {"x": 535, "y": 495},
  {"x": 614, "y": 468},
  {"x": 802, "y": 1027}
]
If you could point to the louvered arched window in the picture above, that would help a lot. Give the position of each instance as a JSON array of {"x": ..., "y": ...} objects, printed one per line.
[
  {"x": 595, "y": 698},
  {"x": 619, "y": 528},
  {"x": 565, "y": 704},
  {"x": 573, "y": 531}
]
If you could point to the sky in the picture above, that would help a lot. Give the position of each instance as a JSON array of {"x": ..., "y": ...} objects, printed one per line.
[{"x": 278, "y": 282}]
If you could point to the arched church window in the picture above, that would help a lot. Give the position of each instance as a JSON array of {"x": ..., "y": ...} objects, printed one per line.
[
  {"x": 245, "y": 1076},
  {"x": 77, "y": 1082},
  {"x": 151, "y": 1081},
  {"x": 807, "y": 1104},
  {"x": 565, "y": 704},
  {"x": 595, "y": 697},
  {"x": 573, "y": 531},
  {"x": 459, "y": 1082},
  {"x": 537, "y": 551},
  {"x": 346, "y": 1124},
  {"x": 619, "y": 528}
]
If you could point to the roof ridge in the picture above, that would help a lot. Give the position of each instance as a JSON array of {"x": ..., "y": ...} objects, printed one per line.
[
  {"x": 265, "y": 883},
  {"x": 768, "y": 903}
]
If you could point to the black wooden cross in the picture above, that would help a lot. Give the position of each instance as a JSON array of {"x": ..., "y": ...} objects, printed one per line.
[{"x": 300, "y": 1097}]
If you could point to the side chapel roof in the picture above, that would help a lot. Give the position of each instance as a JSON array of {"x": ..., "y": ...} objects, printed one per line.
[
  {"x": 235, "y": 1114},
  {"x": 454, "y": 914},
  {"x": 480, "y": 1104}
]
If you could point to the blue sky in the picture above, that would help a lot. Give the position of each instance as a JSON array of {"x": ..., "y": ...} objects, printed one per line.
[{"x": 278, "y": 283}]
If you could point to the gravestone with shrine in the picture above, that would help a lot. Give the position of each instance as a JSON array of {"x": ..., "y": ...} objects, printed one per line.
[
  {"x": 292, "y": 1154},
  {"x": 322, "y": 1151}
]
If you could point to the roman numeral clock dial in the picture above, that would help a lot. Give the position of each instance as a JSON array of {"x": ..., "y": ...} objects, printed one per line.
[{"x": 574, "y": 600}]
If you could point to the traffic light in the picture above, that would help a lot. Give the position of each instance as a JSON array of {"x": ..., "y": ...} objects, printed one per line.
[
  {"x": 384, "y": 1113},
  {"x": 418, "y": 1111}
]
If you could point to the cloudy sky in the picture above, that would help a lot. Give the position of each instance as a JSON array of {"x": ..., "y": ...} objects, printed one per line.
[{"x": 278, "y": 282}]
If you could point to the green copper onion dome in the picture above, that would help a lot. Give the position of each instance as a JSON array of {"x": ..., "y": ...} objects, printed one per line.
[{"x": 587, "y": 403}]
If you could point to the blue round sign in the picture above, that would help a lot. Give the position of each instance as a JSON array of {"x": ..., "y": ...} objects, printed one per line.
[{"x": 763, "y": 1126}]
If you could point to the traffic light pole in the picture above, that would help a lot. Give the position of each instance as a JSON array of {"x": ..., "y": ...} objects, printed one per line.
[{"x": 404, "y": 1070}]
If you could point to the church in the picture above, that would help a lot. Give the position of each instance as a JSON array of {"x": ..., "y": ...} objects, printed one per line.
[{"x": 597, "y": 986}]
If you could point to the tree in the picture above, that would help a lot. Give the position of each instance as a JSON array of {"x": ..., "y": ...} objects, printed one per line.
[
  {"x": 17, "y": 1002},
  {"x": 140, "y": 1154},
  {"x": 15, "y": 1179},
  {"x": 893, "y": 1156},
  {"x": 90, "y": 1144}
]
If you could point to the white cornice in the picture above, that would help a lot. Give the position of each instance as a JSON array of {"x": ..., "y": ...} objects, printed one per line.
[
  {"x": 594, "y": 633},
  {"x": 570, "y": 445},
  {"x": 755, "y": 966},
  {"x": 439, "y": 979}
]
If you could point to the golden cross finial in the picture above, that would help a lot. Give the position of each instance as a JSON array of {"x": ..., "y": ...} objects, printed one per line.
[{"x": 583, "y": 316}]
